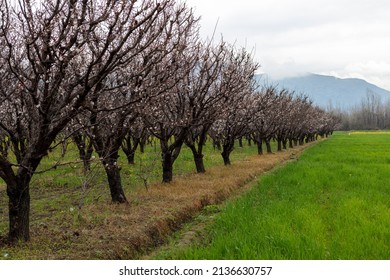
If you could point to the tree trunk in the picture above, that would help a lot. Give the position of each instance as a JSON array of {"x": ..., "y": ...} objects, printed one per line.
[
  {"x": 113, "y": 173},
  {"x": 142, "y": 144},
  {"x": 169, "y": 153},
  {"x": 19, "y": 212},
  {"x": 290, "y": 143},
  {"x": 268, "y": 145},
  {"x": 85, "y": 148},
  {"x": 130, "y": 153},
  {"x": 240, "y": 142},
  {"x": 18, "y": 191},
  {"x": 259, "y": 147},
  {"x": 198, "y": 156},
  {"x": 226, "y": 158},
  {"x": 226, "y": 150},
  {"x": 170, "y": 150},
  {"x": 167, "y": 164},
  {"x": 130, "y": 158},
  {"x": 284, "y": 142},
  {"x": 199, "y": 163},
  {"x": 109, "y": 158},
  {"x": 217, "y": 145},
  {"x": 198, "y": 152},
  {"x": 115, "y": 182},
  {"x": 279, "y": 145},
  {"x": 129, "y": 147}
]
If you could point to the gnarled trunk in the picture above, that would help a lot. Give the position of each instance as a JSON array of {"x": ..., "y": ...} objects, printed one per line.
[
  {"x": 169, "y": 153},
  {"x": 114, "y": 181},
  {"x": 19, "y": 211},
  {"x": 226, "y": 151},
  {"x": 167, "y": 165},
  {"x": 18, "y": 191},
  {"x": 198, "y": 159},
  {"x": 113, "y": 173},
  {"x": 197, "y": 152}
]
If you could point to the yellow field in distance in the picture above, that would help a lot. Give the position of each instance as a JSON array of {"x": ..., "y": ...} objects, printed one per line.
[{"x": 370, "y": 132}]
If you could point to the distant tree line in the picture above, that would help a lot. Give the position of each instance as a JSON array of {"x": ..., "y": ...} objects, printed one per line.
[
  {"x": 371, "y": 114},
  {"x": 111, "y": 74}
]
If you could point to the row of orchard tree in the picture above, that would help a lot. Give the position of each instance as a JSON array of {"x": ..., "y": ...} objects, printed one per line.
[{"x": 107, "y": 73}]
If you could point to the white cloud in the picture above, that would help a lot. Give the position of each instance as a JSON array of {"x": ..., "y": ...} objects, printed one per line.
[
  {"x": 351, "y": 38},
  {"x": 376, "y": 72}
]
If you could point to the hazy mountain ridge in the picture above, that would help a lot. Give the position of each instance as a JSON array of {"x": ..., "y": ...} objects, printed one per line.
[{"x": 326, "y": 90}]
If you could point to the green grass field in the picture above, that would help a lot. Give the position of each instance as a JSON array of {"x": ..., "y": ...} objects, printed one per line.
[{"x": 332, "y": 203}]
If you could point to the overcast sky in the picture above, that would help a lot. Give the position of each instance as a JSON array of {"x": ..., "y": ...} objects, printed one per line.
[{"x": 343, "y": 38}]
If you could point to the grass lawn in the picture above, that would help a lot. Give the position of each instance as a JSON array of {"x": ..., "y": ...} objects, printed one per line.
[{"x": 332, "y": 203}]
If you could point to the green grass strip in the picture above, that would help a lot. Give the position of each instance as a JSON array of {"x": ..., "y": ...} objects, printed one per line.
[{"x": 333, "y": 203}]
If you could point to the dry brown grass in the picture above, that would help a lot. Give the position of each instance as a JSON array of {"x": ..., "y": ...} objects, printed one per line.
[{"x": 108, "y": 231}]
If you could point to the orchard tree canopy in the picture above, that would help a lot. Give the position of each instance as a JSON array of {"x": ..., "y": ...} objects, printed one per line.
[{"x": 101, "y": 70}]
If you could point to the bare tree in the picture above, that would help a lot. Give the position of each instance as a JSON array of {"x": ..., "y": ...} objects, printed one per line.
[
  {"x": 283, "y": 118},
  {"x": 129, "y": 90},
  {"x": 205, "y": 97},
  {"x": 263, "y": 123},
  {"x": 371, "y": 113},
  {"x": 233, "y": 125},
  {"x": 270, "y": 117},
  {"x": 168, "y": 118},
  {"x": 238, "y": 83},
  {"x": 300, "y": 115}
]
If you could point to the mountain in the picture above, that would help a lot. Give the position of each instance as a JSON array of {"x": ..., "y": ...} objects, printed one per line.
[{"x": 326, "y": 90}]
